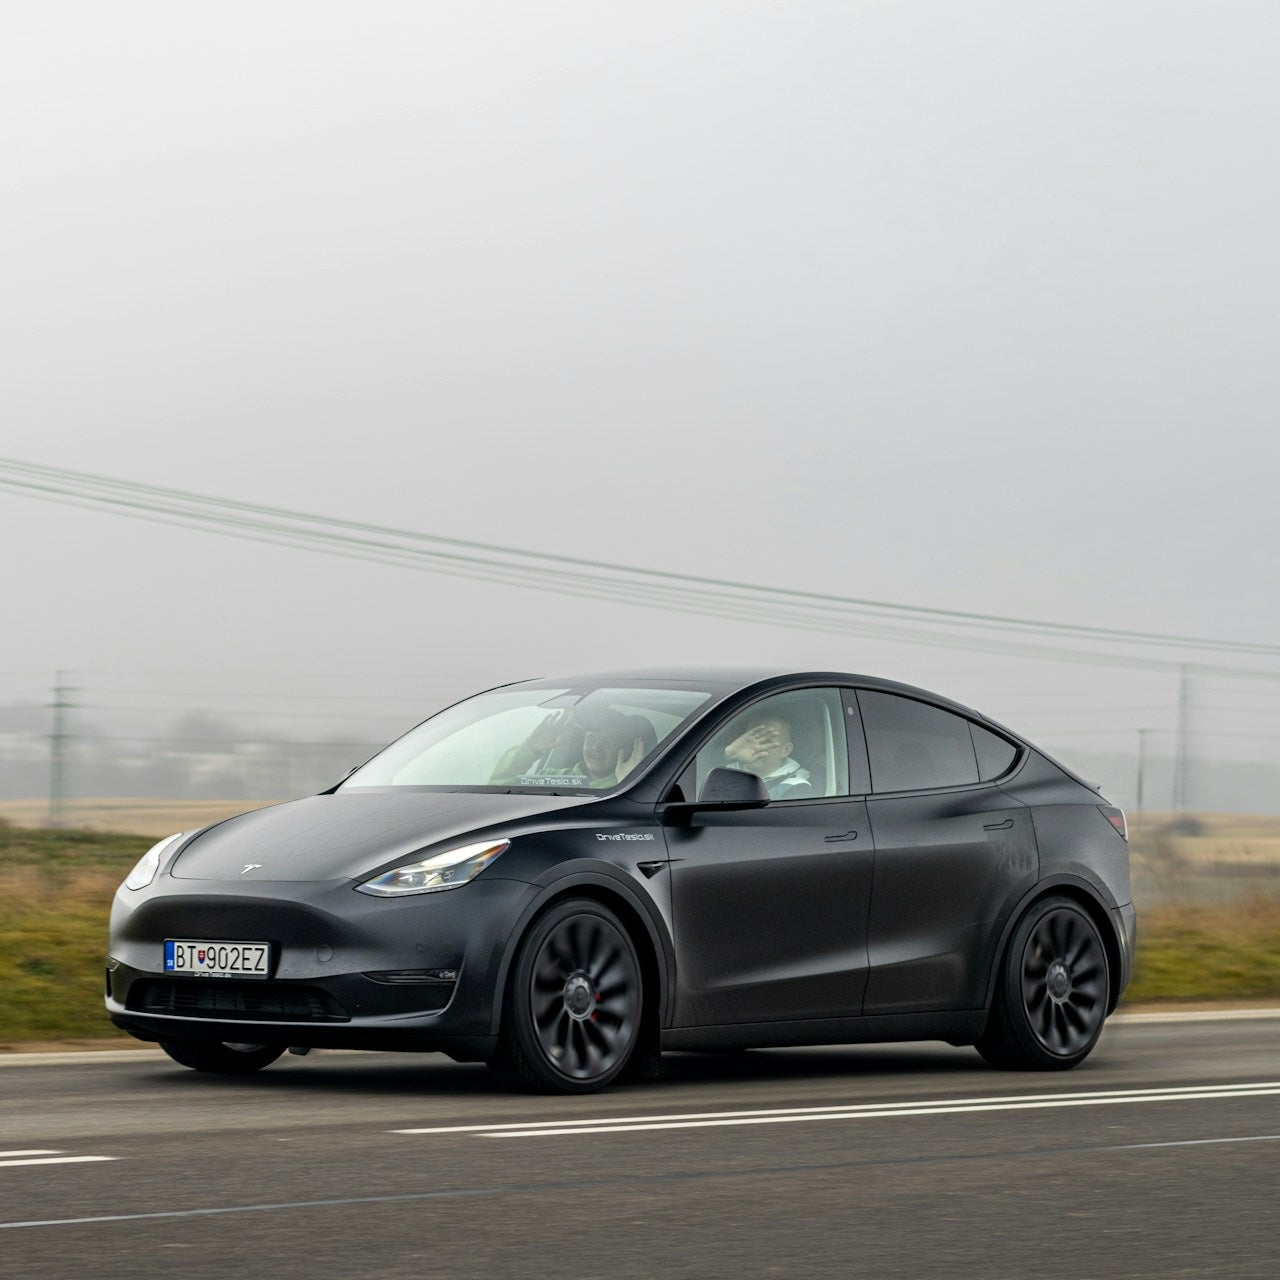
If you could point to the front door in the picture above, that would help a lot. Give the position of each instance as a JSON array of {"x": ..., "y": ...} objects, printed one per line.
[{"x": 770, "y": 905}]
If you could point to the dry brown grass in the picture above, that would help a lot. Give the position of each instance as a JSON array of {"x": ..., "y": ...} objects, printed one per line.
[{"x": 135, "y": 816}]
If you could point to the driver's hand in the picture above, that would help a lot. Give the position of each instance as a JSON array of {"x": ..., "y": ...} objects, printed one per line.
[{"x": 752, "y": 745}]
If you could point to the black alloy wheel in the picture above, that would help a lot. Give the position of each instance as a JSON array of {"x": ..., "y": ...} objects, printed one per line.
[
  {"x": 223, "y": 1057},
  {"x": 574, "y": 1002},
  {"x": 1051, "y": 997}
]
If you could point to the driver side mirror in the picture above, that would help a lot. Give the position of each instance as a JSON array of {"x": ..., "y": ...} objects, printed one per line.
[
  {"x": 733, "y": 789},
  {"x": 722, "y": 789}
]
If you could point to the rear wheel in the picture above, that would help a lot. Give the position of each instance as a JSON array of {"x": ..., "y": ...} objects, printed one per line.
[
  {"x": 572, "y": 1015},
  {"x": 226, "y": 1057},
  {"x": 1051, "y": 996}
]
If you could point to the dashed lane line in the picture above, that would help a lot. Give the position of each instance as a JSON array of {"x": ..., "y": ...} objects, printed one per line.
[{"x": 17, "y": 1159}]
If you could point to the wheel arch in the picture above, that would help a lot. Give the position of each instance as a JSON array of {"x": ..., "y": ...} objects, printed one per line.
[
  {"x": 1088, "y": 897},
  {"x": 652, "y": 945}
]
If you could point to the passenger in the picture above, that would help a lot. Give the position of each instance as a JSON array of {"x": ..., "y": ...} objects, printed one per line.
[
  {"x": 765, "y": 749},
  {"x": 611, "y": 747}
]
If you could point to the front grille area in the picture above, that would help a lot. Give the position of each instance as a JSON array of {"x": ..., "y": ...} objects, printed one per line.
[{"x": 262, "y": 1001}]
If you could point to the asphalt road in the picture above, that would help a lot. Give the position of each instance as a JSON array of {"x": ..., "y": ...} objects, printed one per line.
[{"x": 1159, "y": 1157}]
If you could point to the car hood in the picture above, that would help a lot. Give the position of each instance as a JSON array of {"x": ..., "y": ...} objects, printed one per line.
[{"x": 350, "y": 833}]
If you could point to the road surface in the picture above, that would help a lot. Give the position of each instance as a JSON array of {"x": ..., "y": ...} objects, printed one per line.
[{"x": 1159, "y": 1157}]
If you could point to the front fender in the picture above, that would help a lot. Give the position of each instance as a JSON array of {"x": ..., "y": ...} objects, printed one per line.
[{"x": 603, "y": 881}]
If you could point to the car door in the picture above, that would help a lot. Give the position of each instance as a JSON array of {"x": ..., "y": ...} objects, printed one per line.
[
  {"x": 770, "y": 904},
  {"x": 953, "y": 852}
]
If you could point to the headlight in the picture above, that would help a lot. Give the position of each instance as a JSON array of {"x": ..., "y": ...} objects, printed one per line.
[
  {"x": 444, "y": 871},
  {"x": 147, "y": 866}
]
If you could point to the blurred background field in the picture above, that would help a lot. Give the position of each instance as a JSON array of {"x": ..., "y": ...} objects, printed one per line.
[{"x": 1207, "y": 888}]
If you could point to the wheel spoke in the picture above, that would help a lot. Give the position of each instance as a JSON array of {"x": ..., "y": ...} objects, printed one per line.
[{"x": 552, "y": 1006}]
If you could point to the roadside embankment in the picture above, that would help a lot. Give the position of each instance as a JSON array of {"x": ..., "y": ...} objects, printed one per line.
[{"x": 1209, "y": 923}]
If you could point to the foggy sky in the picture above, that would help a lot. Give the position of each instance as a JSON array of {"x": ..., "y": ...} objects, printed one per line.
[{"x": 960, "y": 304}]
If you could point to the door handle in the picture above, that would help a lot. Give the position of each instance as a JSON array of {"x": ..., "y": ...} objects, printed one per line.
[
  {"x": 848, "y": 835},
  {"x": 998, "y": 826}
]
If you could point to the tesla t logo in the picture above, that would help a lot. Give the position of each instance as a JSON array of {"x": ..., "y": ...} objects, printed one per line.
[{"x": 251, "y": 866}]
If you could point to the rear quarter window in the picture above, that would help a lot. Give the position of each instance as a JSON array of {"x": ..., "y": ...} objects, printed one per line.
[{"x": 995, "y": 754}]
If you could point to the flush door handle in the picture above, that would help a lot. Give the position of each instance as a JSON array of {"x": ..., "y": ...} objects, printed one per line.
[
  {"x": 998, "y": 826},
  {"x": 848, "y": 835}
]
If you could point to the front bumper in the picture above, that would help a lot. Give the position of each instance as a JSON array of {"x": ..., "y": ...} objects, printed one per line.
[{"x": 348, "y": 970}]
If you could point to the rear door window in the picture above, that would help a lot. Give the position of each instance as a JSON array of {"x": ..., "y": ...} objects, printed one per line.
[{"x": 914, "y": 745}]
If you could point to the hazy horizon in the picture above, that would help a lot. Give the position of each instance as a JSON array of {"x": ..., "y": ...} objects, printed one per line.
[{"x": 969, "y": 306}]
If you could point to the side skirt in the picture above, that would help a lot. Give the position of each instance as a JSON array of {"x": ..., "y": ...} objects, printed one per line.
[{"x": 957, "y": 1028}]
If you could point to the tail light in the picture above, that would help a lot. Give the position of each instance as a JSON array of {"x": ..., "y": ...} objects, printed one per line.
[{"x": 1116, "y": 818}]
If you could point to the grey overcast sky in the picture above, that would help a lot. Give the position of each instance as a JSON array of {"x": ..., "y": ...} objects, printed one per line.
[{"x": 961, "y": 304}]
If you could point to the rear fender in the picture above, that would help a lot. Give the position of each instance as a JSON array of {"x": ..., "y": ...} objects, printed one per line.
[{"x": 1079, "y": 884}]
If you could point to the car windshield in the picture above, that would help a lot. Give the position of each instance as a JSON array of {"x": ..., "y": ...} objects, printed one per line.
[{"x": 569, "y": 740}]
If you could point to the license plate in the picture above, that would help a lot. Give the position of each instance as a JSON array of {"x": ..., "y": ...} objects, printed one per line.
[{"x": 217, "y": 959}]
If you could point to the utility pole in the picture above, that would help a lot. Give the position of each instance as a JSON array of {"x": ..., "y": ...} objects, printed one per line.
[
  {"x": 1140, "y": 803},
  {"x": 59, "y": 738},
  {"x": 1180, "y": 744}
]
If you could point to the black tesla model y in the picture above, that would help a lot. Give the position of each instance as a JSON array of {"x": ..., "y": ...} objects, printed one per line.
[{"x": 563, "y": 878}]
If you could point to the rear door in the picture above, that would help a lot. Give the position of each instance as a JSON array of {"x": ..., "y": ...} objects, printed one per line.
[{"x": 953, "y": 852}]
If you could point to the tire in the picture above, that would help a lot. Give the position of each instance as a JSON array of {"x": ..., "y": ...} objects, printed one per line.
[
  {"x": 574, "y": 1001},
  {"x": 224, "y": 1057},
  {"x": 1051, "y": 993}
]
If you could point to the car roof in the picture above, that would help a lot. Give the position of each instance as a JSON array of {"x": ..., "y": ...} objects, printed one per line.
[{"x": 734, "y": 679}]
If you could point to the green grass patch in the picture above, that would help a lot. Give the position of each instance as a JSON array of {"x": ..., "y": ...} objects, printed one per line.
[
  {"x": 56, "y": 889},
  {"x": 1218, "y": 951},
  {"x": 55, "y": 896}
]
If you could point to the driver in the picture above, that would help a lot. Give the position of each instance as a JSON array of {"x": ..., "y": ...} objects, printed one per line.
[
  {"x": 764, "y": 748},
  {"x": 612, "y": 746}
]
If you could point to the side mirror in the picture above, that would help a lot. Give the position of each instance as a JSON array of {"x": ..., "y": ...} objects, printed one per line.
[{"x": 733, "y": 789}]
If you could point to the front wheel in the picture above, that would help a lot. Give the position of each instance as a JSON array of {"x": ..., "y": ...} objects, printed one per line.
[
  {"x": 224, "y": 1057},
  {"x": 1051, "y": 995},
  {"x": 573, "y": 1004}
]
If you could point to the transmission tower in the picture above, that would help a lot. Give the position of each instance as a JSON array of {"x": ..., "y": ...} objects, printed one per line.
[
  {"x": 1180, "y": 743},
  {"x": 59, "y": 740}
]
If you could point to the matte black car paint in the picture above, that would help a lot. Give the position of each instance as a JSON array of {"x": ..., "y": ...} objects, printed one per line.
[{"x": 834, "y": 919}]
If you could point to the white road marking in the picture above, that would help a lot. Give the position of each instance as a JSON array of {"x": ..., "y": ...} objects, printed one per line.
[
  {"x": 4, "y": 1155},
  {"x": 1197, "y": 1142},
  {"x": 11, "y": 1164},
  {"x": 856, "y": 1111}
]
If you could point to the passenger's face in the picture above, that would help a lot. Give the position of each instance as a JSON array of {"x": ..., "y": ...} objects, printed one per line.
[{"x": 599, "y": 753}]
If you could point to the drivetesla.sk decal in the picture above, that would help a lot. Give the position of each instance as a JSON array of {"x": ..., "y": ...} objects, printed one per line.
[{"x": 624, "y": 835}]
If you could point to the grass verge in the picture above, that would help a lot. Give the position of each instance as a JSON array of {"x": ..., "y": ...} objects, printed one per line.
[{"x": 56, "y": 889}]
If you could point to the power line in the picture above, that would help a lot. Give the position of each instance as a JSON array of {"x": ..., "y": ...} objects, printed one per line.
[{"x": 597, "y": 579}]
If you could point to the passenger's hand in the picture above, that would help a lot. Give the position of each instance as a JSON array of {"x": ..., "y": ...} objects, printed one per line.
[
  {"x": 548, "y": 734},
  {"x": 752, "y": 745},
  {"x": 628, "y": 760}
]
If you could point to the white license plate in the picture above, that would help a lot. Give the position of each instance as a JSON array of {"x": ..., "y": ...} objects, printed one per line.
[{"x": 217, "y": 959}]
